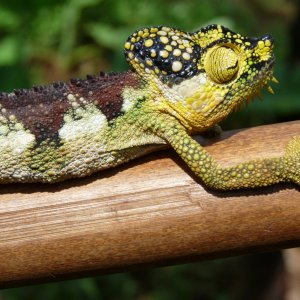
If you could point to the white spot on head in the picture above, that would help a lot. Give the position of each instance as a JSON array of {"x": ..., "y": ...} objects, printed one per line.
[
  {"x": 127, "y": 45},
  {"x": 161, "y": 32},
  {"x": 164, "y": 53},
  {"x": 166, "y": 29},
  {"x": 176, "y": 66},
  {"x": 169, "y": 47},
  {"x": 164, "y": 39},
  {"x": 177, "y": 52},
  {"x": 186, "y": 56},
  {"x": 130, "y": 55},
  {"x": 149, "y": 43}
]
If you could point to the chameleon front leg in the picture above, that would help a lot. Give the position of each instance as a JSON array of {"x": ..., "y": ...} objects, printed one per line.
[{"x": 250, "y": 174}]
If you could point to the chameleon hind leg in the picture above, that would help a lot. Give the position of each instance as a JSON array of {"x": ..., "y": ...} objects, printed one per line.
[{"x": 250, "y": 174}]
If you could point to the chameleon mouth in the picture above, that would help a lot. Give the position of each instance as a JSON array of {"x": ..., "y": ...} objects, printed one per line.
[{"x": 260, "y": 81}]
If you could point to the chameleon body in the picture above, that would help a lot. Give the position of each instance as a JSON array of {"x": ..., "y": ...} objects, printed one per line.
[{"x": 180, "y": 84}]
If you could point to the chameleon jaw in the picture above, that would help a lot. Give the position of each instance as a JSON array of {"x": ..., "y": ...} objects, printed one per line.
[{"x": 262, "y": 80}]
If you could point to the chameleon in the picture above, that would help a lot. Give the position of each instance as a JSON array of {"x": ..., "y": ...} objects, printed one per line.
[{"x": 179, "y": 84}]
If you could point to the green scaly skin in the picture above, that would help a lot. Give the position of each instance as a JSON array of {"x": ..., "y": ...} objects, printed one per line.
[{"x": 181, "y": 84}]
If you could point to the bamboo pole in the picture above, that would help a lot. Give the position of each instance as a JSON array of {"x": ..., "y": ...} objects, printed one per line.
[{"x": 150, "y": 212}]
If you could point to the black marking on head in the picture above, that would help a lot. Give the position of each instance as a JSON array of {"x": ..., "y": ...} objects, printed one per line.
[{"x": 167, "y": 52}]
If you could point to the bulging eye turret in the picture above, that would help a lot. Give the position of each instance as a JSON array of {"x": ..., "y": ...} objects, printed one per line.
[{"x": 221, "y": 64}]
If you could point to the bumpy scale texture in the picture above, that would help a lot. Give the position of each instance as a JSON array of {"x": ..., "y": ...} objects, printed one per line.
[{"x": 180, "y": 84}]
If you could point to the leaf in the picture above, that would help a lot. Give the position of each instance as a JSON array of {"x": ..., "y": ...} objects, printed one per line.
[
  {"x": 8, "y": 19},
  {"x": 8, "y": 51},
  {"x": 84, "y": 3},
  {"x": 108, "y": 36}
]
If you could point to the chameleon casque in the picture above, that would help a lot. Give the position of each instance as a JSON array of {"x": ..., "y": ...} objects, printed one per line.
[{"x": 180, "y": 84}]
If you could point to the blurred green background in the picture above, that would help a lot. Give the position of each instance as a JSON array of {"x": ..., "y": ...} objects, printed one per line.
[{"x": 42, "y": 41}]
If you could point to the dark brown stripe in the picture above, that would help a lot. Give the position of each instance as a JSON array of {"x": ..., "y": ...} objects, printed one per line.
[
  {"x": 41, "y": 109},
  {"x": 105, "y": 91}
]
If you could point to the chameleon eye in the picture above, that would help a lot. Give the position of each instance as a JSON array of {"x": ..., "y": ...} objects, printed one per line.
[{"x": 222, "y": 64}]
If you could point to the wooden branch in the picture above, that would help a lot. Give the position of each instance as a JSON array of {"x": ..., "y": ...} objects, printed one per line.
[{"x": 152, "y": 211}]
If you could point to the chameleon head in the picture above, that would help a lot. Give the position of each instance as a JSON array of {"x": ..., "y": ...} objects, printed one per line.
[{"x": 203, "y": 76}]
